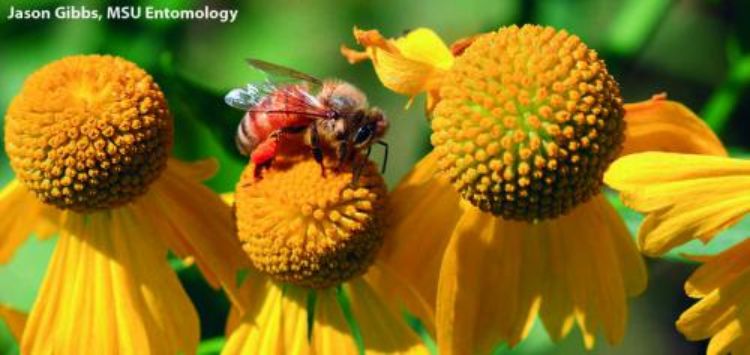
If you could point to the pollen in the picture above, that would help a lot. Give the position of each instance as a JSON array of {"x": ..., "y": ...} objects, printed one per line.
[
  {"x": 88, "y": 132},
  {"x": 528, "y": 122},
  {"x": 303, "y": 228}
]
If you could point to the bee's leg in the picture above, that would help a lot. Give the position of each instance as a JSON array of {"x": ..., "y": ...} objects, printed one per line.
[
  {"x": 316, "y": 150},
  {"x": 343, "y": 155},
  {"x": 264, "y": 154},
  {"x": 357, "y": 172}
]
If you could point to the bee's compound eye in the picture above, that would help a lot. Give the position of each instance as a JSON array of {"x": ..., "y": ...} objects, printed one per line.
[{"x": 363, "y": 135}]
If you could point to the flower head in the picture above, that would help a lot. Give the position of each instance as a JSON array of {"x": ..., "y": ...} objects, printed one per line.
[
  {"x": 88, "y": 137},
  {"x": 88, "y": 132},
  {"x": 302, "y": 227},
  {"x": 312, "y": 237},
  {"x": 527, "y": 123}
]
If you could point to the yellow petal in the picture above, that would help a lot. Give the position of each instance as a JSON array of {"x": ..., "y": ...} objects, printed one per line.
[
  {"x": 251, "y": 292},
  {"x": 721, "y": 315},
  {"x": 15, "y": 320},
  {"x": 482, "y": 302},
  {"x": 277, "y": 326},
  {"x": 576, "y": 268},
  {"x": 383, "y": 327},
  {"x": 195, "y": 222},
  {"x": 259, "y": 332},
  {"x": 200, "y": 170},
  {"x": 719, "y": 270},
  {"x": 228, "y": 198},
  {"x": 398, "y": 294},
  {"x": 408, "y": 65},
  {"x": 22, "y": 214},
  {"x": 600, "y": 266},
  {"x": 424, "y": 201},
  {"x": 331, "y": 333},
  {"x": 108, "y": 289},
  {"x": 684, "y": 196},
  {"x": 662, "y": 125}
]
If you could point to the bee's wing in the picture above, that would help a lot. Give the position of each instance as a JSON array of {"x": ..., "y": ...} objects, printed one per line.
[
  {"x": 278, "y": 73},
  {"x": 292, "y": 99},
  {"x": 250, "y": 95}
]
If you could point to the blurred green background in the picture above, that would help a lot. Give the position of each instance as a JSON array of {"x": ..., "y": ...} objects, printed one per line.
[{"x": 697, "y": 51}]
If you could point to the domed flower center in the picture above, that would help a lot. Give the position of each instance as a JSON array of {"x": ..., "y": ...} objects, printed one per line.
[
  {"x": 88, "y": 132},
  {"x": 529, "y": 119},
  {"x": 307, "y": 229}
]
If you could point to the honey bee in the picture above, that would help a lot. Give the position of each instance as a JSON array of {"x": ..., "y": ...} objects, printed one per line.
[{"x": 291, "y": 107}]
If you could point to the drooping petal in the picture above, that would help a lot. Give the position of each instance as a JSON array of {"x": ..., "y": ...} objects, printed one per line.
[
  {"x": 331, "y": 333},
  {"x": 430, "y": 204},
  {"x": 722, "y": 314},
  {"x": 14, "y": 319},
  {"x": 379, "y": 314},
  {"x": 484, "y": 295},
  {"x": 684, "y": 196},
  {"x": 277, "y": 326},
  {"x": 398, "y": 295},
  {"x": 408, "y": 65},
  {"x": 602, "y": 267},
  {"x": 498, "y": 274},
  {"x": 108, "y": 289},
  {"x": 659, "y": 124},
  {"x": 195, "y": 222},
  {"x": 22, "y": 215},
  {"x": 252, "y": 291}
]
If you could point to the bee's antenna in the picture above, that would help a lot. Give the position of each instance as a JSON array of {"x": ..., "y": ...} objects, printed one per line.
[{"x": 385, "y": 155}]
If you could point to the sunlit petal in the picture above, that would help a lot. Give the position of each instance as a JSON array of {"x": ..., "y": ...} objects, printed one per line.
[{"x": 685, "y": 196}]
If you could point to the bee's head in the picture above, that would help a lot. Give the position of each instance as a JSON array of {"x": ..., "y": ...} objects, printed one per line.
[
  {"x": 359, "y": 131},
  {"x": 372, "y": 126}
]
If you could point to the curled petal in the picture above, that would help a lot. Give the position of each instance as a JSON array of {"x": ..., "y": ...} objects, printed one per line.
[
  {"x": 659, "y": 124},
  {"x": 408, "y": 65}
]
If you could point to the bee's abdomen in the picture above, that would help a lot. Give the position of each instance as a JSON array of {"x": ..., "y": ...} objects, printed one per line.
[{"x": 247, "y": 138}]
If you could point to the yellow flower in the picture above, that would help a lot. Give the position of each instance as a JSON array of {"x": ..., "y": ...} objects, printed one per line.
[
  {"x": 507, "y": 212},
  {"x": 88, "y": 138},
  {"x": 695, "y": 196},
  {"x": 312, "y": 240}
]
